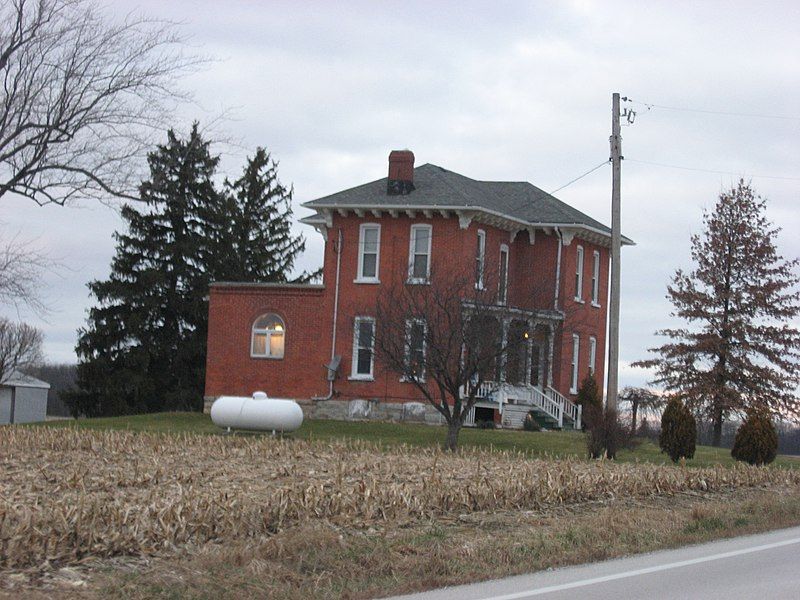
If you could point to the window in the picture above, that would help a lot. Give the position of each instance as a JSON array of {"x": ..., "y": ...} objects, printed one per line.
[
  {"x": 269, "y": 337},
  {"x": 502, "y": 292},
  {"x": 480, "y": 256},
  {"x": 419, "y": 259},
  {"x": 576, "y": 349},
  {"x": 363, "y": 348},
  {"x": 369, "y": 244},
  {"x": 592, "y": 353},
  {"x": 415, "y": 349},
  {"x": 579, "y": 275},
  {"x": 596, "y": 278}
]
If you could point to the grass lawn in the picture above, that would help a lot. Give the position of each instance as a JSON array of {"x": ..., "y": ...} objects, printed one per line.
[{"x": 550, "y": 443}]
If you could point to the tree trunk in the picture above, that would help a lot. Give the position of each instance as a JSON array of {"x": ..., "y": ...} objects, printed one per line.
[
  {"x": 453, "y": 429},
  {"x": 634, "y": 410},
  {"x": 716, "y": 435}
]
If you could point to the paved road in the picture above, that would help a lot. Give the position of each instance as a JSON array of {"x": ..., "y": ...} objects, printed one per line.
[{"x": 760, "y": 567}]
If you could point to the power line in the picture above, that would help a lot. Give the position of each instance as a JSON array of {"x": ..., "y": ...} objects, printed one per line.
[
  {"x": 592, "y": 170},
  {"x": 650, "y": 105},
  {"x": 657, "y": 164}
]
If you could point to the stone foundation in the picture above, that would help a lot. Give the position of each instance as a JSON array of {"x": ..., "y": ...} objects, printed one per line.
[{"x": 362, "y": 410}]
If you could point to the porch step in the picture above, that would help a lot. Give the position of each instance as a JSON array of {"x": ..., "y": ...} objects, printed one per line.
[{"x": 514, "y": 416}]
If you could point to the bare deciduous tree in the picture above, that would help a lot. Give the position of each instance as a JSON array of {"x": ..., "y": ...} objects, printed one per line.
[
  {"x": 444, "y": 337},
  {"x": 20, "y": 348},
  {"x": 21, "y": 269},
  {"x": 82, "y": 98},
  {"x": 643, "y": 403}
]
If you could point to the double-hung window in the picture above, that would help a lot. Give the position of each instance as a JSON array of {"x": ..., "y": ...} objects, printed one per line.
[
  {"x": 363, "y": 348},
  {"x": 579, "y": 274},
  {"x": 416, "y": 330},
  {"x": 592, "y": 354},
  {"x": 502, "y": 292},
  {"x": 480, "y": 257},
  {"x": 596, "y": 278},
  {"x": 419, "y": 254},
  {"x": 369, "y": 244},
  {"x": 576, "y": 350}
]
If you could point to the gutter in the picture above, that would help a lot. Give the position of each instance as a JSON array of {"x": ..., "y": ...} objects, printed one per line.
[
  {"x": 558, "y": 268},
  {"x": 338, "y": 249}
]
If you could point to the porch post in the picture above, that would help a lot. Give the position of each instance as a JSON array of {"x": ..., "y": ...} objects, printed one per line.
[
  {"x": 529, "y": 352},
  {"x": 550, "y": 348},
  {"x": 501, "y": 360}
]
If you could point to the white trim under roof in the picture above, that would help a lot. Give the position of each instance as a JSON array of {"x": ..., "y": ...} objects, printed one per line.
[{"x": 324, "y": 217}]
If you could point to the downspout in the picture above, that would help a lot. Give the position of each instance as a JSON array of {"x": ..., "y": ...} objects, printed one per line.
[
  {"x": 558, "y": 267},
  {"x": 338, "y": 250}
]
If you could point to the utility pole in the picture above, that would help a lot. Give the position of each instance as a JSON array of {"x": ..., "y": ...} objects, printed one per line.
[{"x": 616, "y": 241}]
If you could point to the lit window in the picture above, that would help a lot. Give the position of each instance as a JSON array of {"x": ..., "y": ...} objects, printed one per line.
[
  {"x": 419, "y": 259},
  {"x": 596, "y": 278},
  {"x": 269, "y": 337},
  {"x": 579, "y": 274},
  {"x": 576, "y": 349},
  {"x": 363, "y": 348},
  {"x": 369, "y": 244},
  {"x": 480, "y": 256},
  {"x": 592, "y": 353},
  {"x": 502, "y": 292},
  {"x": 415, "y": 349}
]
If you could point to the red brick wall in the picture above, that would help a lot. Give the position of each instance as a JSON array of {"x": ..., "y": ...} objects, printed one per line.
[
  {"x": 308, "y": 312},
  {"x": 230, "y": 370},
  {"x": 582, "y": 319}
]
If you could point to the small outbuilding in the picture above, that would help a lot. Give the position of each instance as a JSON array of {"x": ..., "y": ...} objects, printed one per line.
[{"x": 23, "y": 399}]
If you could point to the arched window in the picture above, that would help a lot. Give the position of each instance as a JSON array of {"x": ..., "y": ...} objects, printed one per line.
[{"x": 269, "y": 337}]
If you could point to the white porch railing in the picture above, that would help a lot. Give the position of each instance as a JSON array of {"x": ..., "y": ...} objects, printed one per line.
[
  {"x": 549, "y": 401},
  {"x": 571, "y": 410}
]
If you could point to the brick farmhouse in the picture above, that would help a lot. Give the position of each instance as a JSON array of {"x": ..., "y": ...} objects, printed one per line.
[{"x": 549, "y": 266}]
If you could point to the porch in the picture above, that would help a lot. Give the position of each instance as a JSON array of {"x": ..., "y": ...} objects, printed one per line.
[
  {"x": 513, "y": 402},
  {"x": 521, "y": 379}
]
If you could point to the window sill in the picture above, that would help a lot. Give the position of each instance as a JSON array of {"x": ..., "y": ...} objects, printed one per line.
[
  {"x": 412, "y": 380},
  {"x": 369, "y": 281},
  {"x": 595, "y": 304},
  {"x": 579, "y": 300},
  {"x": 573, "y": 392},
  {"x": 361, "y": 378},
  {"x": 418, "y": 281},
  {"x": 266, "y": 357},
  {"x": 480, "y": 287}
]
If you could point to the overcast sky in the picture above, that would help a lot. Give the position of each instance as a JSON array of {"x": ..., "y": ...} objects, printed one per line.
[{"x": 492, "y": 90}]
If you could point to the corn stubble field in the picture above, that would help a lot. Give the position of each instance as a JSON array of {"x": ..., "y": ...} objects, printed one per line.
[{"x": 69, "y": 495}]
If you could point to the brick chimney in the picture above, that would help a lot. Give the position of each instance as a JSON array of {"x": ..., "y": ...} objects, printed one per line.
[{"x": 401, "y": 173}]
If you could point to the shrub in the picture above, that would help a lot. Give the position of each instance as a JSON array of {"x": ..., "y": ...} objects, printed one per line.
[
  {"x": 756, "y": 440},
  {"x": 590, "y": 399},
  {"x": 530, "y": 423},
  {"x": 486, "y": 425},
  {"x": 606, "y": 434},
  {"x": 678, "y": 431}
]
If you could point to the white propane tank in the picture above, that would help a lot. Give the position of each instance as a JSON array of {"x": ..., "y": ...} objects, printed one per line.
[{"x": 258, "y": 413}]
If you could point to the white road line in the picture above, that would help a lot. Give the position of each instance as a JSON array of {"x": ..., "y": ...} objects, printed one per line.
[{"x": 626, "y": 574}]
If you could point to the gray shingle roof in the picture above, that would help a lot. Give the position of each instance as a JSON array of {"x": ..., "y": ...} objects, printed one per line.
[{"x": 437, "y": 187}]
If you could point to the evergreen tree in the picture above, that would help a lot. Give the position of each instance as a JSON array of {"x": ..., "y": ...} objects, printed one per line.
[
  {"x": 261, "y": 246},
  {"x": 678, "y": 436},
  {"x": 590, "y": 399},
  {"x": 143, "y": 349},
  {"x": 756, "y": 440},
  {"x": 738, "y": 350}
]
